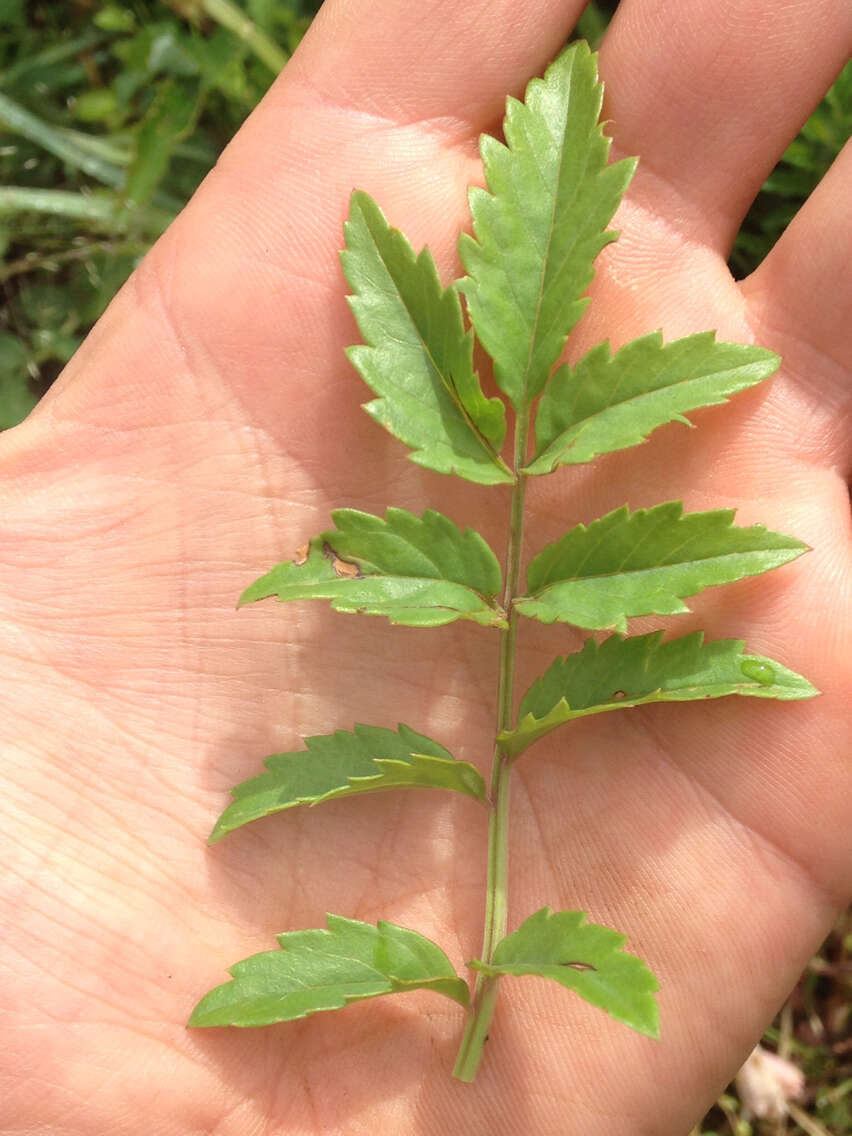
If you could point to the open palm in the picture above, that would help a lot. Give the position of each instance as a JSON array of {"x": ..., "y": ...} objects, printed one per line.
[{"x": 204, "y": 432}]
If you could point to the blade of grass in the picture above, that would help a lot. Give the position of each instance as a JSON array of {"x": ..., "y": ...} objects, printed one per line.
[
  {"x": 51, "y": 56},
  {"x": 57, "y": 142},
  {"x": 805, "y": 1122},
  {"x": 80, "y": 206},
  {"x": 232, "y": 17},
  {"x": 115, "y": 150}
]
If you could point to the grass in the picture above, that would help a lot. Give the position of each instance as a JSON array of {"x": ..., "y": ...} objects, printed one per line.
[
  {"x": 110, "y": 116},
  {"x": 814, "y": 1030}
]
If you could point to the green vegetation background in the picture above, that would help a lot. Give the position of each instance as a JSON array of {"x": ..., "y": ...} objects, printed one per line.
[{"x": 110, "y": 116}]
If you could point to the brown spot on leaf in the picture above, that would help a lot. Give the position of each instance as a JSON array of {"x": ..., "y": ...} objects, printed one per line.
[
  {"x": 617, "y": 694},
  {"x": 578, "y": 965},
  {"x": 344, "y": 568},
  {"x": 301, "y": 555}
]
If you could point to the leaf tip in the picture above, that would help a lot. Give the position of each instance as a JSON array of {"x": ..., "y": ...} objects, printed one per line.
[
  {"x": 200, "y": 1016},
  {"x": 216, "y": 834},
  {"x": 650, "y": 1027},
  {"x": 260, "y": 590},
  {"x": 193, "y": 1020},
  {"x": 361, "y": 201}
]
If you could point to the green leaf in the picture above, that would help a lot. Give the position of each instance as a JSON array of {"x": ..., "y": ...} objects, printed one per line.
[
  {"x": 418, "y": 356},
  {"x": 16, "y": 397},
  {"x": 633, "y": 672},
  {"x": 609, "y": 402},
  {"x": 542, "y": 223},
  {"x": 96, "y": 105},
  {"x": 422, "y": 572},
  {"x": 644, "y": 563},
  {"x": 343, "y": 764},
  {"x": 325, "y": 970},
  {"x": 172, "y": 114},
  {"x": 583, "y": 957}
]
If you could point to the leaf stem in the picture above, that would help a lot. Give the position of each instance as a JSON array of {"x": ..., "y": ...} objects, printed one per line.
[
  {"x": 496, "y": 899},
  {"x": 485, "y": 994}
]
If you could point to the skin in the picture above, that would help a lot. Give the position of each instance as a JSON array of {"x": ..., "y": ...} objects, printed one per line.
[{"x": 205, "y": 430}]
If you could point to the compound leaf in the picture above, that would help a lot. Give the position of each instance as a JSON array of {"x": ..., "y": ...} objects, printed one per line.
[
  {"x": 643, "y": 563},
  {"x": 417, "y": 354},
  {"x": 325, "y": 970},
  {"x": 419, "y": 571},
  {"x": 609, "y": 402},
  {"x": 583, "y": 957},
  {"x": 541, "y": 224},
  {"x": 633, "y": 672},
  {"x": 343, "y": 764}
]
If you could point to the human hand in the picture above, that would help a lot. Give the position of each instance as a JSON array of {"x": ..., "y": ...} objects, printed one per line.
[{"x": 204, "y": 432}]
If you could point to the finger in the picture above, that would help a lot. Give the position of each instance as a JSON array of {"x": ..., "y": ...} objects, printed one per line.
[
  {"x": 801, "y": 298},
  {"x": 439, "y": 64},
  {"x": 379, "y": 96},
  {"x": 710, "y": 92}
]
